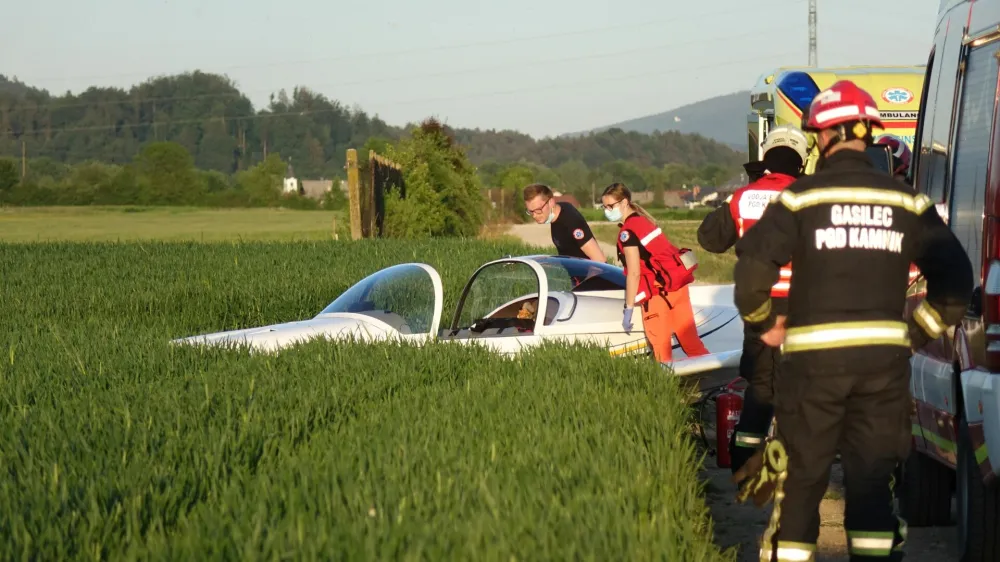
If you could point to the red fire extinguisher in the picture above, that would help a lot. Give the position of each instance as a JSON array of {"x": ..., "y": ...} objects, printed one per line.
[{"x": 728, "y": 406}]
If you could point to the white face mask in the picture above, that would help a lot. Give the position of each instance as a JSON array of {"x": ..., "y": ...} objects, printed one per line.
[
  {"x": 614, "y": 214},
  {"x": 552, "y": 215}
]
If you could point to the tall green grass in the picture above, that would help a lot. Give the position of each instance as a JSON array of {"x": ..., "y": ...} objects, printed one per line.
[{"x": 119, "y": 446}]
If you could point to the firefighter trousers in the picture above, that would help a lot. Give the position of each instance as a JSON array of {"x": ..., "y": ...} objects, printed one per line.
[
  {"x": 866, "y": 416},
  {"x": 666, "y": 316},
  {"x": 758, "y": 365}
]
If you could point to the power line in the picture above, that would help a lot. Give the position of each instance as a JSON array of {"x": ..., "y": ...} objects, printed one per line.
[
  {"x": 59, "y": 106},
  {"x": 757, "y": 59},
  {"x": 712, "y": 16}
]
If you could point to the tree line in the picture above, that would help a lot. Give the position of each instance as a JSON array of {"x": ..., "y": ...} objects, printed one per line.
[
  {"x": 217, "y": 124},
  {"x": 444, "y": 196}
]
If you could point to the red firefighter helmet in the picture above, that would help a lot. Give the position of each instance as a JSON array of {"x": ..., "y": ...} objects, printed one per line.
[
  {"x": 901, "y": 155},
  {"x": 844, "y": 102}
]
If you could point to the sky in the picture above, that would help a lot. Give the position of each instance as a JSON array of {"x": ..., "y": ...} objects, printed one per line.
[{"x": 542, "y": 67}]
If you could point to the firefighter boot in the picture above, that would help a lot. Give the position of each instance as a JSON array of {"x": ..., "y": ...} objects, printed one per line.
[{"x": 751, "y": 429}]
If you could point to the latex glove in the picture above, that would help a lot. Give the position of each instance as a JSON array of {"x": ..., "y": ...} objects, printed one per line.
[
  {"x": 627, "y": 320},
  {"x": 776, "y": 335}
]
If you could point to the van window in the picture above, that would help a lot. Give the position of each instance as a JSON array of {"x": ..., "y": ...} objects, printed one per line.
[
  {"x": 937, "y": 130},
  {"x": 972, "y": 150}
]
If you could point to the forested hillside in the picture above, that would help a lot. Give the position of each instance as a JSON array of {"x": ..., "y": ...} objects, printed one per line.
[
  {"x": 721, "y": 118},
  {"x": 209, "y": 116}
]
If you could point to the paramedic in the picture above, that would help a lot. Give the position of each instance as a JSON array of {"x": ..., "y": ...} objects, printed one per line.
[
  {"x": 851, "y": 232},
  {"x": 785, "y": 152},
  {"x": 570, "y": 232},
  {"x": 656, "y": 276}
]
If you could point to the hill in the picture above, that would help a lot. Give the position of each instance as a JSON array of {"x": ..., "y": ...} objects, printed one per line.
[
  {"x": 211, "y": 118},
  {"x": 12, "y": 87},
  {"x": 722, "y": 118}
]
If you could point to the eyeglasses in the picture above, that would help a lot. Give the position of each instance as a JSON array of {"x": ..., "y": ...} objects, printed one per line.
[
  {"x": 538, "y": 211},
  {"x": 611, "y": 206}
]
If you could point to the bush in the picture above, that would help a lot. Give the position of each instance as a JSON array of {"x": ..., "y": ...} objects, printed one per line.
[{"x": 443, "y": 194}]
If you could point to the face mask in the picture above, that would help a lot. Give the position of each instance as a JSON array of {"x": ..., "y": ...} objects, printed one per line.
[
  {"x": 614, "y": 215},
  {"x": 552, "y": 215}
]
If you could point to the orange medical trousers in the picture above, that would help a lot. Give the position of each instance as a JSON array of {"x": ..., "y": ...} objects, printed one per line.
[{"x": 660, "y": 322}]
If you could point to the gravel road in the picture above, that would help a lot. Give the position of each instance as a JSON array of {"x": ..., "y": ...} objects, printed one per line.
[
  {"x": 741, "y": 525},
  {"x": 539, "y": 235}
]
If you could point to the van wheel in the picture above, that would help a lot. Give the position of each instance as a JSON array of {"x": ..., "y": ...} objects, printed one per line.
[
  {"x": 978, "y": 505},
  {"x": 925, "y": 492}
]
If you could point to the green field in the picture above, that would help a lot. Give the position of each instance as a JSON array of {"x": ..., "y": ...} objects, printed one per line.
[
  {"x": 119, "y": 446},
  {"x": 92, "y": 224}
]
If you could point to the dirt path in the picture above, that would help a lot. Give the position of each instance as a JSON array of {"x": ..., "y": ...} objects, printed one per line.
[
  {"x": 539, "y": 235},
  {"x": 741, "y": 525}
]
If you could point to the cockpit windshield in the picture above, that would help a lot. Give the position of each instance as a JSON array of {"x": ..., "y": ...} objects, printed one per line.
[
  {"x": 579, "y": 275},
  {"x": 401, "y": 296},
  {"x": 500, "y": 295}
]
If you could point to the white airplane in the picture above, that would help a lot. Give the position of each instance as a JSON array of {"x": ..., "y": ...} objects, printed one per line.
[{"x": 507, "y": 305}]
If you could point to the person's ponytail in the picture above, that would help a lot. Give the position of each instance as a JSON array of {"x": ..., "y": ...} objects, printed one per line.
[{"x": 638, "y": 208}]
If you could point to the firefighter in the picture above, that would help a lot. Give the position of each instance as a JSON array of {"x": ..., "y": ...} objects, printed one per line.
[
  {"x": 785, "y": 152},
  {"x": 901, "y": 156},
  {"x": 851, "y": 232},
  {"x": 657, "y": 277}
]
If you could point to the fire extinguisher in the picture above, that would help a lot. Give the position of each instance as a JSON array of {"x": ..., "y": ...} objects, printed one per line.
[{"x": 728, "y": 406}]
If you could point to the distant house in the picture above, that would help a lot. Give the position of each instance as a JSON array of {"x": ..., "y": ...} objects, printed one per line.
[
  {"x": 642, "y": 197},
  {"x": 560, "y": 197},
  {"x": 316, "y": 189},
  {"x": 291, "y": 184},
  {"x": 674, "y": 199}
]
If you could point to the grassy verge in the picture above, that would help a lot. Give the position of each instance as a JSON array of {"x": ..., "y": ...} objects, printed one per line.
[
  {"x": 127, "y": 223},
  {"x": 119, "y": 446}
]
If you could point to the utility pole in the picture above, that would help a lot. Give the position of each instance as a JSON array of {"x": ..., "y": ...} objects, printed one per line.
[
  {"x": 812, "y": 34},
  {"x": 24, "y": 159}
]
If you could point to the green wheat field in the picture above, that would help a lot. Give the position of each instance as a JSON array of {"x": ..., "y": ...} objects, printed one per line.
[{"x": 119, "y": 446}]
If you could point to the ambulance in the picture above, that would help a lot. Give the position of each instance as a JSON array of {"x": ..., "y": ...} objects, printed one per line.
[{"x": 779, "y": 97}]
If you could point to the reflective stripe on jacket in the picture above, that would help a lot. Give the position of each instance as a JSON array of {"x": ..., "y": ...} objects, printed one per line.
[{"x": 747, "y": 205}]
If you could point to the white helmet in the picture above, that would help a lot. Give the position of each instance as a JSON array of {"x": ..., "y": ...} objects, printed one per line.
[{"x": 788, "y": 136}]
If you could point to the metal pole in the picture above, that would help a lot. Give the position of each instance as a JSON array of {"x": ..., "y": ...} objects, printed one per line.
[{"x": 812, "y": 34}]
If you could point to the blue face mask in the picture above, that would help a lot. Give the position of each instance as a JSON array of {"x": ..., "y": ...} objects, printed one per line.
[
  {"x": 614, "y": 215},
  {"x": 552, "y": 215}
]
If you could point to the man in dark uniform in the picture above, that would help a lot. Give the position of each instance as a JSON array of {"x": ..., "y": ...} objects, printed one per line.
[
  {"x": 785, "y": 152},
  {"x": 850, "y": 232},
  {"x": 571, "y": 234}
]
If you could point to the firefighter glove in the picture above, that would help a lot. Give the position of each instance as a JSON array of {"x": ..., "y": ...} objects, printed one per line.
[{"x": 627, "y": 320}]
